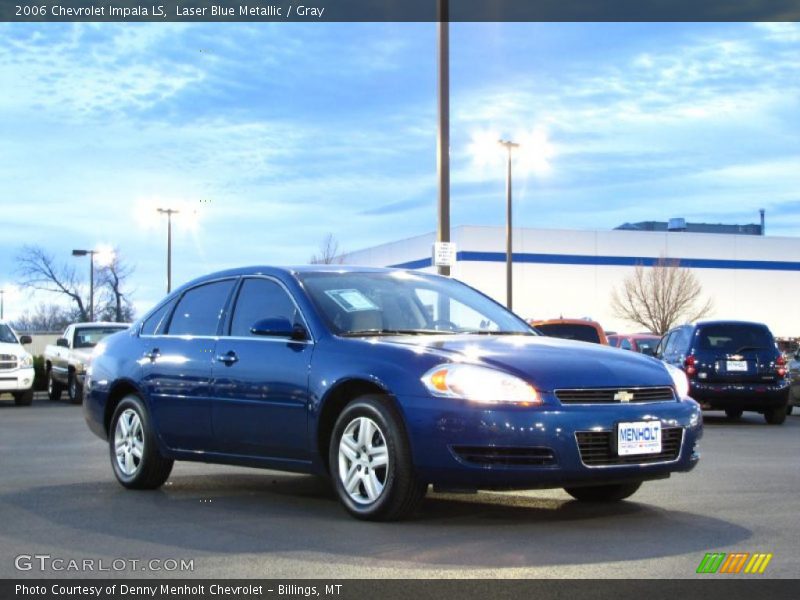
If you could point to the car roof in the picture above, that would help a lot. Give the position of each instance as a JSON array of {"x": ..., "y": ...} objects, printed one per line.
[
  {"x": 292, "y": 270},
  {"x": 586, "y": 322}
]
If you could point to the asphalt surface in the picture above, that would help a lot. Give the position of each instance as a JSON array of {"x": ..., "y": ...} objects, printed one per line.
[{"x": 58, "y": 497}]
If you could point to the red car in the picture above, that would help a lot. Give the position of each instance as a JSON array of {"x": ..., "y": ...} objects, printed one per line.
[{"x": 638, "y": 342}]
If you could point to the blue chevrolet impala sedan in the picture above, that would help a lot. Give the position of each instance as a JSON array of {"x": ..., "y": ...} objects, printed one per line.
[{"x": 386, "y": 381}]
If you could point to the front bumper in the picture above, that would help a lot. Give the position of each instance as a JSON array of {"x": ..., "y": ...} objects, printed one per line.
[
  {"x": 750, "y": 396},
  {"x": 18, "y": 380},
  {"x": 441, "y": 429}
]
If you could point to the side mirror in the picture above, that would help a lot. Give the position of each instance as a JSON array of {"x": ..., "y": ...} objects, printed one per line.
[
  {"x": 25, "y": 339},
  {"x": 62, "y": 342},
  {"x": 279, "y": 327}
]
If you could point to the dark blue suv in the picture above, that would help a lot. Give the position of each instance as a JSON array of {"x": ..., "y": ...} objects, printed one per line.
[
  {"x": 731, "y": 365},
  {"x": 385, "y": 381}
]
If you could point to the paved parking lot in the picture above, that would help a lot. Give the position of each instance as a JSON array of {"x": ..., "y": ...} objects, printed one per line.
[{"x": 58, "y": 497}]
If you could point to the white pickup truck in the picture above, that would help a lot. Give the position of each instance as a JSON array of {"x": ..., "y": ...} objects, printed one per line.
[
  {"x": 66, "y": 362},
  {"x": 16, "y": 366}
]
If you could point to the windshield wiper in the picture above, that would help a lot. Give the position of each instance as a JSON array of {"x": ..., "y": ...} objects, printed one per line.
[
  {"x": 487, "y": 332},
  {"x": 367, "y": 332}
]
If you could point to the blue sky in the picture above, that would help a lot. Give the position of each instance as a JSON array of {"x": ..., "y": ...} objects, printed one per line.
[{"x": 277, "y": 134}]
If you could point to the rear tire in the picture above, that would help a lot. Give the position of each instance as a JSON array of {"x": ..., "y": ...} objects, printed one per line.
[
  {"x": 734, "y": 414},
  {"x": 74, "y": 390},
  {"x": 54, "y": 388},
  {"x": 23, "y": 398},
  {"x": 370, "y": 462},
  {"x": 604, "y": 493},
  {"x": 133, "y": 447},
  {"x": 775, "y": 416}
]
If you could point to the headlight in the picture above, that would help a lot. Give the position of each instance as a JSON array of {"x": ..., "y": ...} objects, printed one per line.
[
  {"x": 679, "y": 379},
  {"x": 25, "y": 361},
  {"x": 479, "y": 384}
]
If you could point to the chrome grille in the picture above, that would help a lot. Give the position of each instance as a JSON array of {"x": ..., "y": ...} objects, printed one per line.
[
  {"x": 615, "y": 395},
  {"x": 595, "y": 448},
  {"x": 8, "y": 362}
]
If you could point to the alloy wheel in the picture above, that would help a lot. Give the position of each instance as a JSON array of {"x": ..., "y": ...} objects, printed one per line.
[
  {"x": 129, "y": 442},
  {"x": 363, "y": 460}
]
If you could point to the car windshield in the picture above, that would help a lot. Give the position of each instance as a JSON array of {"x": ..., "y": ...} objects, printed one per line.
[
  {"x": 735, "y": 338},
  {"x": 399, "y": 302},
  {"x": 6, "y": 335},
  {"x": 88, "y": 337},
  {"x": 570, "y": 331}
]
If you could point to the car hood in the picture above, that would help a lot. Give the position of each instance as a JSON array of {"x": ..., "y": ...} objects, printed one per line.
[
  {"x": 14, "y": 349},
  {"x": 548, "y": 363}
]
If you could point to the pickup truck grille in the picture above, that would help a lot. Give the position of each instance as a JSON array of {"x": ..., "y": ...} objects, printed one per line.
[
  {"x": 615, "y": 395},
  {"x": 8, "y": 362}
]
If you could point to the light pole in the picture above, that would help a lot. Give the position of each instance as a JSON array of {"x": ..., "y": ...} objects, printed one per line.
[
  {"x": 2, "y": 303},
  {"x": 443, "y": 138},
  {"x": 509, "y": 146},
  {"x": 90, "y": 254},
  {"x": 169, "y": 212}
]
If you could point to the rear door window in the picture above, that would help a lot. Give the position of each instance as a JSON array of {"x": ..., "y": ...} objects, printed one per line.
[
  {"x": 200, "y": 309},
  {"x": 569, "y": 331}
]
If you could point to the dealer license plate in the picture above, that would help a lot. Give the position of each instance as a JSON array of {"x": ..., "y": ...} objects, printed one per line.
[
  {"x": 736, "y": 365},
  {"x": 641, "y": 437}
]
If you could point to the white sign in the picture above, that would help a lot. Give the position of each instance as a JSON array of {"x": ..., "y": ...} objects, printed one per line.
[
  {"x": 444, "y": 254},
  {"x": 641, "y": 437}
]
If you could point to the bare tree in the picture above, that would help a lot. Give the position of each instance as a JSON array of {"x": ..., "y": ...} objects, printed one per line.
[
  {"x": 39, "y": 270},
  {"x": 660, "y": 296},
  {"x": 115, "y": 304},
  {"x": 329, "y": 252},
  {"x": 44, "y": 317}
]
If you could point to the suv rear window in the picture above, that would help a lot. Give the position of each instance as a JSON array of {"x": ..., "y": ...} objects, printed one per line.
[
  {"x": 569, "y": 331},
  {"x": 735, "y": 338}
]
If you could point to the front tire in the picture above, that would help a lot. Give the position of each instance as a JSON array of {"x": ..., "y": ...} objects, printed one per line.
[
  {"x": 133, "y": 447},
  {"x": 23, "y": 398},
  {"x": 604, "y": 493},
  {"x": 74, "y": 390},
  {"x": 54, "y": 388},
  {"x": 370, "y": 462},
  {"x": 775, "y": 416}
]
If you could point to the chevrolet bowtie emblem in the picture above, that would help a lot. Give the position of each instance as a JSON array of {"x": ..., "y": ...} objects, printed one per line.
[{"x": 623, "y": 396}]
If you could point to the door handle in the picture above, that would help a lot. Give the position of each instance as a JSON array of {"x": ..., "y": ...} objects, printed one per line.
[
  {"x": 152, "y": 355},
  {"x": 228, "y": 358}
]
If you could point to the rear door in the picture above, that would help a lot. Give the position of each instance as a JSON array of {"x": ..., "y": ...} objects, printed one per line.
[
  {"x": 177, "y": 366},
  {"x": 736, "y": 353}
]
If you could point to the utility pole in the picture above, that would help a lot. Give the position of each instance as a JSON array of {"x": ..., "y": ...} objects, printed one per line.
[{"x": 509, "y": 146}]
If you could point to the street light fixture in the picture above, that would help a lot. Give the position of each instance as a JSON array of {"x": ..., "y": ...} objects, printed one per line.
[
  {"x": 169, "y": 212},
  {"x": 90, "y": 254},
  {"x": 509, "y": 146}
]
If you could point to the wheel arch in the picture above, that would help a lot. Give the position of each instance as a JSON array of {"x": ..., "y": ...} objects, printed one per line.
[
  {"x": 334, "y": 402},
  {"x": 118, "y": 391}
]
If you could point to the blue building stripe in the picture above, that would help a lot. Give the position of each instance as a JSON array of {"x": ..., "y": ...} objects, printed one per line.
[{"x": 616, "y": 261}]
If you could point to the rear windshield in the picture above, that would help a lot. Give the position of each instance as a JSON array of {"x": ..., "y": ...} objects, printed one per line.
[
  {"x": 647, "y": 344},
  {"x": 571, "y": 331},
  {"x": 88, "y": 337},
  {"x": 735, "y": 338}
]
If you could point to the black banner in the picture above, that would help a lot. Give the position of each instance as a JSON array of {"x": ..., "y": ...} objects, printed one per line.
[
  {"x": 395, "y": 589},
  {"x": 399, "y": 10}
]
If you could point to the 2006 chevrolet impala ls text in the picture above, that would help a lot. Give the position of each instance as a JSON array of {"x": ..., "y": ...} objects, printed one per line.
[{"x": 386, "y": 381}]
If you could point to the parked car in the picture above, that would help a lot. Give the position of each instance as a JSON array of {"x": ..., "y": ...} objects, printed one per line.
[
  {"x": 732, "y": 365},
  {"x": 16, "y": 366},
  {"x": 582, "y": 330},
  {"x": 66, "y": 362},
  {"x": 645, "y": 343},
  {"x": 794, "y": 378},
  {"x": 387, "y": 381}
]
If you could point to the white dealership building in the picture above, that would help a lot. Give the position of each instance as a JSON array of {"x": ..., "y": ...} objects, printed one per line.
[{"x": 572, "y": 273}]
